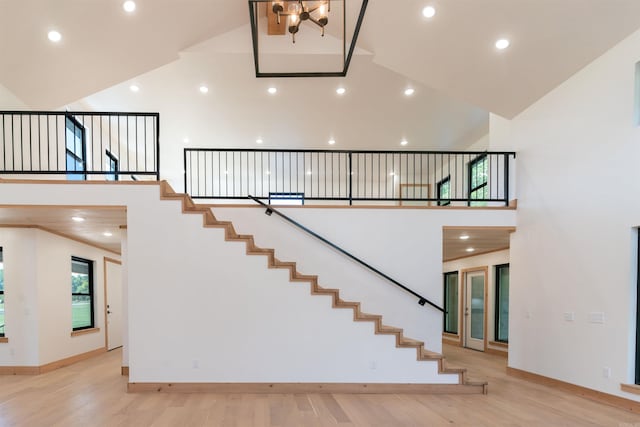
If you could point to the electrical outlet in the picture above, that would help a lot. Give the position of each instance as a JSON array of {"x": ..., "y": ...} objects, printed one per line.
[
  {"x": 195, "y": 363},
  {"x": 569, "y": 316},
  {"x": 596, "y": 317},
  {"x": 606, "y": 372},
  {"x": 373, "y": 365}
]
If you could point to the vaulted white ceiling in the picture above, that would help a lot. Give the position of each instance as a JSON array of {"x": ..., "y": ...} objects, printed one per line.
[{"x": 170, "y": 47}]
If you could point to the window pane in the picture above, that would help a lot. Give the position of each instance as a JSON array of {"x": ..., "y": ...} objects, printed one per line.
[
  {"x": 81, "y": 311},
  {"x": 502, "y": 311},
  {"x": 81, "y": 293},
  {"x": 451, "y": 303},
  {"x": 444, "y": 191},
  {"x": 79, "y": 283},
  {"x": 70, "y": 137},
  {"x": 1, "y": 277},
  {"x": 477, "y": 307}
]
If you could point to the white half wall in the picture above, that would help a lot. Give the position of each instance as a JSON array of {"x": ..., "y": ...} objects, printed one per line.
[{"x": 574, "y": 252}]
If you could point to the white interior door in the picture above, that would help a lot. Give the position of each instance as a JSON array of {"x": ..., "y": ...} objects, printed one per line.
[
  {"x": 474, "y": 310},
  {"x": 113, "y": 285}
]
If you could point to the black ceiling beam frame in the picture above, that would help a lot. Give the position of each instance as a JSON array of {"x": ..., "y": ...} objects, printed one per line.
[{"x": 253, "y": 9}]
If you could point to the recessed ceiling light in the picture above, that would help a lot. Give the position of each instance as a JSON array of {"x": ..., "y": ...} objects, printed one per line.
[
  {"x": 268, "y": 172},
  {"x": 332, "y": 141},
  {"x": 259, "y": 141},
  {"x": 77, "y": 218},
  {"x": 107, "y": 234},
  {"x": 409, "y": 91},
  {"x": 204, "y": 89},
  {"x": 429, "y": 12},
  {"x": 272, "y": 90},
  {"x": 134, "y": 88},
  {"x": 392, "y": 174},
  {"x": 341, "y": 91},
  {"x": 404, "y": 142},
  {"x": 129, "y": 6},
  {"x": 308, "y": 172},
  {"x": 502, "y": 44},
  {"x": 470, "y": 249},
  {"x": 464, "y": 237},
  {"x": 186, "y": 140},
  {"x": 54, "y": 36}
]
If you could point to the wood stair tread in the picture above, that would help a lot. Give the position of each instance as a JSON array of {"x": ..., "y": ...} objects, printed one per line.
[
  {"x": 367, "y": 317},
  {"x": 411, "y": 342},
  {"x": 384, "y": 329}
]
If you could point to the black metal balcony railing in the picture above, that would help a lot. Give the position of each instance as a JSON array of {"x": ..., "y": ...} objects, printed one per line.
[
  {"x": 80, "y": 145},
  {"x": 406, "y": 177}
]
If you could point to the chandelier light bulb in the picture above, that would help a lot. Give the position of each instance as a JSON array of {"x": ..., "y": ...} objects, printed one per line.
[{"x": 322, "y": 10}]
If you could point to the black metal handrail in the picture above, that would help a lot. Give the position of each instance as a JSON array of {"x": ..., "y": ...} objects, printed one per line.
[
  {"x": 270, "y": 210},
  {"x": 80, "y": 144},
  {"x": 475, "y": 178}
]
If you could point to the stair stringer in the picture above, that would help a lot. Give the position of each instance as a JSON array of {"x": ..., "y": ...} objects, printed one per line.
[{"x": 422, "y": 354}]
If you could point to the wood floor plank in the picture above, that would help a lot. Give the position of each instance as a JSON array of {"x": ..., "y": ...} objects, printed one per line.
[{"x": 93, "y": 393}]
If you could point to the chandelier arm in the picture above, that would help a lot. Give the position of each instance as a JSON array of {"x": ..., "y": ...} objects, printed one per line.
[{"x": 315, "y": 21}]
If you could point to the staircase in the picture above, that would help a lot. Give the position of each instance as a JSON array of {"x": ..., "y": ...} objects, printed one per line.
[{"x": 422, "y": 354}]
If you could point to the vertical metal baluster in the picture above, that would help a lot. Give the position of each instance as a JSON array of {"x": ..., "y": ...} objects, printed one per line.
[
  {"x": 137, "y": 150},
  {"x": 39, "y": 145},
  {"x": 21, "y": 145},
  {"x": 506, "y": 179},
  {"x": 126, "y": 117},
  {"x": 144, "y": 138},
  {"x": 350, "y": 171},
  {"x": 325, "y": 173},
  {"x": 184, "y": 169},
  {"x": 30, "y": 143},
  {"x": 4, "y": 145}
]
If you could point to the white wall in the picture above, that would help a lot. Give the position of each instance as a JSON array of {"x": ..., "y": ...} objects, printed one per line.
[
  {"x": 38, "y": 297},
  {"x": 404, "y": 244},
  {"x": 489, "y": 260},
  {"x": 574, "y": 250},
  {"x": 21, "y": 290},
  {"x": 54, "y": 297},
  {"x": 8, "y": 101}
]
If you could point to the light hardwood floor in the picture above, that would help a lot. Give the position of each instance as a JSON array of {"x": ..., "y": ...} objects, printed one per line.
[{"x": 92, "y": 393}]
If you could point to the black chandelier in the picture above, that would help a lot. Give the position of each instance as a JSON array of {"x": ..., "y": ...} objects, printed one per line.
[
  {"x": 300, "y": 11},
  {"x": 279, "y": 17}
]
